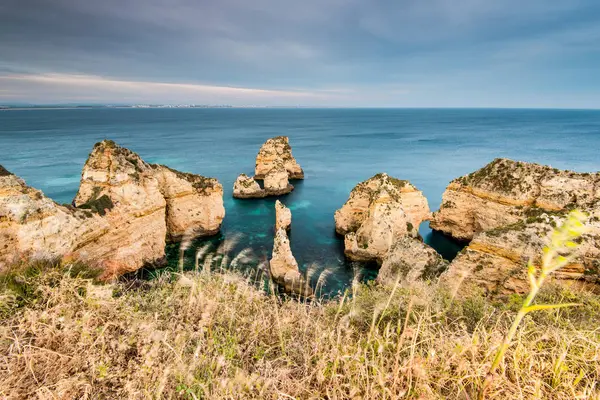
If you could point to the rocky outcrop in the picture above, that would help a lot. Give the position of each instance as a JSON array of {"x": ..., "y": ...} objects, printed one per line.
[
  {"x": 505, "y": 192},
  {"x": 379, "y": 212},
  {"x": 194, "y": 203},
  {"x": 276, "y": 181},
  {"x": 495, "y": 261},
  {"x": 283, "y": 216},
  {"x": 284, "y": 267},
  {"x": 273, "y": 151},
  {"x": 33, "y": 226},
  {"x": 246, "y": 187},
  {"x": 507, "y": 211},
  {"x": 125, "y": 208},
  {"x": 409, "y": 260}
]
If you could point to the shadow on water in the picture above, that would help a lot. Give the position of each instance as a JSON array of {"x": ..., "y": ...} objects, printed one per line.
[
  {"x": 231, "y": 251},
  {"x": 443, "y": 244}
]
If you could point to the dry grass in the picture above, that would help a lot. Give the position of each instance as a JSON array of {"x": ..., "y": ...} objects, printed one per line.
[{"x": 217, "y": 336}]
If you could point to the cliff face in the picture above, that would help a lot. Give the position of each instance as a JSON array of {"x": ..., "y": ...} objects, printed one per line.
[
  {"x": 379, "y": 212},
  {"x": 508, "y": 209},
  {"x": 276, "y": 150},
  {"x": 194, "y": 203},
  {"x": 409, "y": 260},
  {"x": 125, "y": 210},
  {"x": 505, "y": 192}
]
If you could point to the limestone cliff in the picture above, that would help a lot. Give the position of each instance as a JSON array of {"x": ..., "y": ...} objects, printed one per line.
[
  {"x": 246, "y": 187},
  {"x": 505, "y": 192},
  {"x": 380, "y": 211},
  {"x": 274, "y": 150},
  {"x": 408, "y": 261},
  {"x": 507, "y": 209},
  {"x": 495, "y": 261},
  {"x": 194, "y": 203},
  {"x": 125, "y": 210}
]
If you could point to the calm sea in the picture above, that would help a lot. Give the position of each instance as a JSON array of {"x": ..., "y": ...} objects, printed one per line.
[{"x": 336, "y": 147}]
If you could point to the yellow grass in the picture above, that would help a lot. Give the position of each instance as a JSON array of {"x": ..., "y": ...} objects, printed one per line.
[{"x": 211, "y": 335}]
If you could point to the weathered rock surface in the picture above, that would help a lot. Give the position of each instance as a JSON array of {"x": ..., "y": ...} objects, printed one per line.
[
  {"x": 379, "y": 212},
  {"x": 409, "y": 260},
  {"x": 194, "y": 203},
  {"x": 245, "y": 187},
  {"x": 284, "y": 267},
  {"x": 276, "y": 181},
  {"x": 125, "y": 210},
  {"x": 283, "y": 216},
  {"x": 33, "y": 226},
  {"x": 276, "y": 150},
  {"x": 505, "y": 192},
  {"x": 508, "y": 209}
]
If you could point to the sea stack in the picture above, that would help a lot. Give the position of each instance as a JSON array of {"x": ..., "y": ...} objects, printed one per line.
[
  {"x": 507, "y": 211},
  {"x": 246, "y": 187},
  {"x": 272, "y": 152},
  {"x": 125, "y": 210},
  {"x": 275, "y": 166},
  {"x": 283, "y": 216},
  {"x": 283, "y": 265},
  {"x": 379, "y": 212},
  {"x": 276, "y": 181}
]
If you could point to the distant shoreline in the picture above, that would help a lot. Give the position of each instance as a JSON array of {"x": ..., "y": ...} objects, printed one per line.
[{"x": 185, "y": 107}]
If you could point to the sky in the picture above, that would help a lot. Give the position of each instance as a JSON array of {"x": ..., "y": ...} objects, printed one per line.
[{"x": 321, "y": 53}]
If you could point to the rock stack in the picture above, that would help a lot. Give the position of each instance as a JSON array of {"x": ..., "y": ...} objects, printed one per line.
[
  {"x": 275, "y": 166},
  {"x": 283, "y": 265},
  {"x": 379, "y": 212}
]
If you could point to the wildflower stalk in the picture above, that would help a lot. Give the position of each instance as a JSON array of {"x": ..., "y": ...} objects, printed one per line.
[{"x": 562, "y": 242}]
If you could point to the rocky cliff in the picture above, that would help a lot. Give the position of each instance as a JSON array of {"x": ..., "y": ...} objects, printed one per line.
[
  {"x": 276, "y": 150},
  {"x": 379, "y": 212},
  {"x": 409, "y": 260},
  {"x": 125, "y": 209},
  {"x": 507, "y": 210}
]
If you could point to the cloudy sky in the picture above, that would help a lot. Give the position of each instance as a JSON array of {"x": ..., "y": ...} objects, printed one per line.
[{"x": 398, "y": 53}]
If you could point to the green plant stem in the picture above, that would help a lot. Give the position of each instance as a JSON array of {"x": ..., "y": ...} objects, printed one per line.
[{"x": 515, "y": 325}]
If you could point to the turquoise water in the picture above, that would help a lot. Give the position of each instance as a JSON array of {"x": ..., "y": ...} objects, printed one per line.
[{"x": 336, "y": 147}]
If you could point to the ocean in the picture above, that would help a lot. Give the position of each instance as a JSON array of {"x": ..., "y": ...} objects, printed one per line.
[{"x": 337, "y": 148}]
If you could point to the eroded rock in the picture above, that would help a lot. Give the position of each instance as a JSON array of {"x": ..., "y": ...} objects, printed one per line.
[
  {"x": 507, "y": 210},
  {"x": 276, "y": 181},
  {"x": 194, "y": 203},
  {"x": 276, "y": 150},
  {"x": 379, "y": 212},
  {"x": 409, "y": 260},
  {"x": 245, "y": 187},
  {"x": 495, "y": 262},
  {"x": 283, "y": 216},
  {"x": 284, "y": 267},
  {"x": 505, "y": 192},
  {"x": 125, "y": 210}
]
